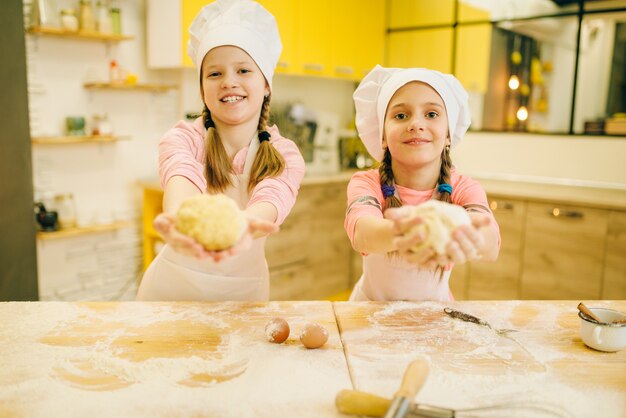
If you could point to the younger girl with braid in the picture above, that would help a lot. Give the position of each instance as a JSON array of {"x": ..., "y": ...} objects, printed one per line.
[
  {"x": 230, "y": 149},
  {"x": 408, "y": 119}
]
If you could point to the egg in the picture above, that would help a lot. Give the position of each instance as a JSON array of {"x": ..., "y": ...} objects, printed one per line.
[
  {"x": 313, "y": 335},
  {"x": 277, "y": 330}
]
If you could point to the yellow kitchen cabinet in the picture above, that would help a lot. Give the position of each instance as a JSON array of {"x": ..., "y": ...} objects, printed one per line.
[
  {"x": 564, "y": 249},
  {"x": 314, "y": 37},
  {"x": 413, "y": 13},
  {"x": 152, "y": 206},
  {"x": 473, "y": 50},
  {"x": 614, "y": 281},
  {"x": 429, "y": 48},
  {"x": 286, "y": 15},
  {"x": 459, "y": 281},
  {"x": 501, "y": 279},
  {"x": 322, "y": 38}
]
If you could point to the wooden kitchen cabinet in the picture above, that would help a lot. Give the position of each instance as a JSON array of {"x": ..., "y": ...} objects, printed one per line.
[
  {"x": 310, "y": 258},
  {"x": 501, "y": 279},
  {"x": 614, "y": 280},
  {"x": 563, "y": 252}
]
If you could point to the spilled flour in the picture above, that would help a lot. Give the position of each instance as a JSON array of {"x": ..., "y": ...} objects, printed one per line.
[
  {"x": 472, "y": 366},
  {"x": 209, "y": 361}
]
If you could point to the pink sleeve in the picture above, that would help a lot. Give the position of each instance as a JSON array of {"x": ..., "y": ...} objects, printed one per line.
[
  {"x": 470, "y": 194},
  {"x": 281, "y": 191},
  {"x": 181, "y": 150},
  {"x": 364, "y": 199}
]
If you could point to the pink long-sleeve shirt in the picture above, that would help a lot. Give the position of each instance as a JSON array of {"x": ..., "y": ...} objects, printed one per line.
[{"x": 181, "y": 153}]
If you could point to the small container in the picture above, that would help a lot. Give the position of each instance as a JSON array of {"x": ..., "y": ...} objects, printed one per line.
[
  {"x": 87, "y": 21},
  {"x": 116, "y": 20},
  {"x": 69, "y": 21},
  {"x": 606, "y": 336},
  {"x": 115, "y": 73},
  {"x": 104, "y": 18},
  {"x": 66, "y": 208}
]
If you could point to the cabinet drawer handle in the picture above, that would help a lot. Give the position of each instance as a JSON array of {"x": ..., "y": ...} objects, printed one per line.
[
  {"x": 502, "y": 206},
  {"x": 572, "y": 214},
  {"x": 314, "y": 67},
  {"x": 344, "y": 70},
  {"x": 282, "y": 64}
]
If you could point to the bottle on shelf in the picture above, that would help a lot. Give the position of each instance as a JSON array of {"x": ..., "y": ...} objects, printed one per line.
[
  {"x": 87, "y": 21},
  {"x": 115, "y": 73},
  {"x": 103, "y": 17},
  {"x": 66, "y": 209},
  {"x": 116, "y": 20}
]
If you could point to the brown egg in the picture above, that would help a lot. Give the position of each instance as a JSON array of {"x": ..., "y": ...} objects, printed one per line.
[
  {"x": 313, "y": 335},
  {"x": 277, "y": 330}
]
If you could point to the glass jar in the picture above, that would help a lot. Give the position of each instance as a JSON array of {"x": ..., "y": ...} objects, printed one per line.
[
  {"x": 69, "y": 21},
  {"x": 116, "y": 20},
  {"x": 66, "y": 208},
  {"x": 104, "y": 18},
  {"x": 87, "y": 21}
]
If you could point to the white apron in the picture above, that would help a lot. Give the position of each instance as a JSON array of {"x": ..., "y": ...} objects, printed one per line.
[
  {"x": 387, "y": 278},
  {"x": 244, "y": 277}
]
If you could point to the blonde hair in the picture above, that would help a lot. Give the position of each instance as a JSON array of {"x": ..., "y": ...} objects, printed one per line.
[{"x": 267, "y": 163}]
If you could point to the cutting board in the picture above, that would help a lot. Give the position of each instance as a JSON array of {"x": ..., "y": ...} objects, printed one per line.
[
  {"x": 472, "y": 366},
  {"x": 166, "y": 360}
]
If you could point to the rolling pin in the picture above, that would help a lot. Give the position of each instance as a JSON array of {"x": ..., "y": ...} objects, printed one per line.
[
  {"x": 354, "y": 402},
  {"x": 414, "y": 377}
]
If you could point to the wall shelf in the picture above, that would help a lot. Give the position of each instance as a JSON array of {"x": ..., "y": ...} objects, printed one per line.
[
  {"x": 123, "y": 86},
  {"x": 92, "y": 229},
  {"x": 75, "y": 139},
  {"x": 86, "y": 35}
]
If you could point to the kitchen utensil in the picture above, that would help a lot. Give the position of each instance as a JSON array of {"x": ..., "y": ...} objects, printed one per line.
[
  {"x": 414, "y": 377},
  {"x": 584, "y": 309},
  {"x": 471, "y": 318},
  {"x": 608, "y": 333},
  {"x": 354, "y": 402}
]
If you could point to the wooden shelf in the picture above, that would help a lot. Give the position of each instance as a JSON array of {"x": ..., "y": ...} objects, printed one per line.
[
  {"x": 123, "y": 86},
  {"x": 75, "y": 139},
  {"x": 93, "y": 229},
  {"x": 87, "y": 35}
]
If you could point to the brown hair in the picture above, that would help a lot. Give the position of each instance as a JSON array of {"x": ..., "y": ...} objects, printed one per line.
[
  {"x": 386, "y": 177},
  {"x": 267, "y": 163}
]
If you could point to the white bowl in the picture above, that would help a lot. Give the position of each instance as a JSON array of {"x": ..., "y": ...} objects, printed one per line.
[{"x": 606, "y": 336}]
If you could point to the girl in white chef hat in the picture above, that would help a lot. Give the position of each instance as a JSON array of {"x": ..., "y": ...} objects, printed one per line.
[
  {"x": 408, "y": 119},
  {"x": 229, "y": 149}
]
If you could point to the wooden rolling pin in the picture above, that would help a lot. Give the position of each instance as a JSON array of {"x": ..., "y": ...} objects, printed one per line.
[{"x": 354, "y": 402}]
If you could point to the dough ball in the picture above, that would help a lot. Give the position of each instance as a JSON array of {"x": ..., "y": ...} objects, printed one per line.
[
  {"x": 313, "y": 335},
  {"x": 277, "y": 330},
  {"x": 440, "y": 219},
  {"x": 215, "y": 221}
]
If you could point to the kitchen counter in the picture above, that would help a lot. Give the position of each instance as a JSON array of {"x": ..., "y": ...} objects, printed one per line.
[{"x": 212, "y": 359}]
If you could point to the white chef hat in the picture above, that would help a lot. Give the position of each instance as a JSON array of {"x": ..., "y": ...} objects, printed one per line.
[
  {"x": 375, "y": 91},
  {"x": 241, "y": 23}
]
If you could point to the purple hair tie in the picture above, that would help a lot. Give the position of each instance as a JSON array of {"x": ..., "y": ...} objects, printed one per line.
[
  {"x": 388, "y": 191},
  {"x": 444, "y": 187}
]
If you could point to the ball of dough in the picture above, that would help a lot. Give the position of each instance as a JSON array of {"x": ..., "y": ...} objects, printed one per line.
[
  {"x": 439, "y": 220},
  {"x": 215, "y": 221}
]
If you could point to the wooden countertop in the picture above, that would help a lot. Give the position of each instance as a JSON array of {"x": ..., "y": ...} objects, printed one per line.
[
  {"x": 594, "y": 197},
  {"x": 212, "y": 359}
]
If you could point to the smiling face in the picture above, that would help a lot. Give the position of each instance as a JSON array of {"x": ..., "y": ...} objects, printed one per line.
[
  {"x": 233, "y": 86},
  {"x": 416, "y": 127}
]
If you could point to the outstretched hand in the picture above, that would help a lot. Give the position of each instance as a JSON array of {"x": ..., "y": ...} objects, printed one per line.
[
  {"x": 465, "y": 245},
  {"x": 165, "y": 224}
]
